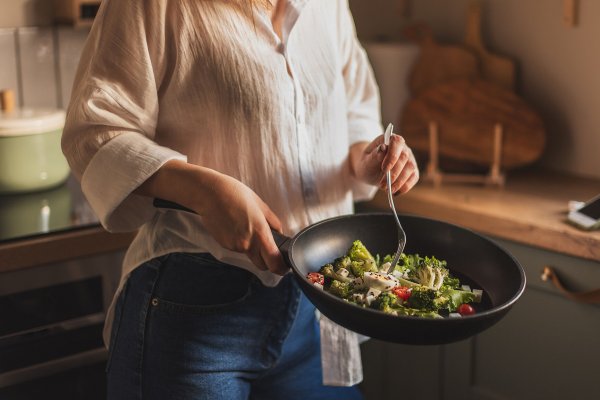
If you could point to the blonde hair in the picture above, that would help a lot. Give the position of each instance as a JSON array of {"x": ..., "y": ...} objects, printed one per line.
[{"x": 247, "y": 5}]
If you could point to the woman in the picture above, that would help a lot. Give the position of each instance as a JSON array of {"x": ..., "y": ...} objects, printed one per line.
[{"x": 255, "y": 116}]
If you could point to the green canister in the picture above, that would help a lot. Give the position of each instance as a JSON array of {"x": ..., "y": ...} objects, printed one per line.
[{"x": 31, "y": 158}]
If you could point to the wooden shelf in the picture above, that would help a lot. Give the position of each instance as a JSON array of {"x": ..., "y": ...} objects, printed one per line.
[{"x": 531, "y": 209}]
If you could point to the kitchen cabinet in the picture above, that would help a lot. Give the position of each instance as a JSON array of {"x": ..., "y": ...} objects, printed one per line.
[
  {"x": 548, "y": 346},
  {"x": 58, "y": 272}
]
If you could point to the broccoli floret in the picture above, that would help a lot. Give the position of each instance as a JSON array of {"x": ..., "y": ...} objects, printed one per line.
[
  {"x": 428, "y": 271},
  {"x": 432, "y": 277},
  {"x": 451, "y": 282},
  {"x": 389, "y": 303},
  {"x": 389, "y": 258},
  {"x": 342, "y": 262},
  {"x": 340, "y": 289},
  {"x": 422, "y": 298},
  {"x": 408, "y": 262},
  {"x": 358, "y": 268},
  {"x": 386, "y": 302},
  {"x": 358, "y": 252},
  {"x": 441, "y": 302},
  {"x": 328, "y": 271}
]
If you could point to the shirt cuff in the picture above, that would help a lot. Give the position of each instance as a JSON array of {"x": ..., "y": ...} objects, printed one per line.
[{"x": 115, "y": 171}]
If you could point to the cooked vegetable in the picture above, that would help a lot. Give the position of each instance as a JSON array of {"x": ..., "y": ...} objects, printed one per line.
[
  {"x": 403, "y": 292},
  {"x": 466, "y": 309},
  {"x": 358, "y": 252},
  {"x": 361, "y": 260},
  {"x": 422, "y": 298},
  {"x": 329, "y": 272},
  {"x": 418, "y": 286},
  {"x": 340, "y": 289},
  {"x": 458, "y": 297},
  {"x": 316, "y": 277},
  {"x": 386, "y": 302}
]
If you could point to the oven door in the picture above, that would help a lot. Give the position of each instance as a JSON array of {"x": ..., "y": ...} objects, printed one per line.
[{"x": 51, "y": 317}]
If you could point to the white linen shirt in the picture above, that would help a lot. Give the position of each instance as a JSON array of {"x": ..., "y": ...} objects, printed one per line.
[{"x": 200, "y": 81}]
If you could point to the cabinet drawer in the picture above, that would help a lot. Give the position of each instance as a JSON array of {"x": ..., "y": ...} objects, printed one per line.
[
  {"x": 546, "y": 348},
  {"x": 576, "y": 273}
]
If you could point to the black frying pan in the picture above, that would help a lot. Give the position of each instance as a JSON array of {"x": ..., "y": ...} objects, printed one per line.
[{"x": 475, "y": 259}]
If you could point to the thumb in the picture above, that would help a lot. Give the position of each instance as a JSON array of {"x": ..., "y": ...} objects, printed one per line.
[
  {"x": 380, "y": 154},
  {"x": 374, "y": 145}
]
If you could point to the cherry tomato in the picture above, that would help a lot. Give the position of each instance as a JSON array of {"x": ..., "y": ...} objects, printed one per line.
[
  {"x": 403, "y": 292},
  {"x": 316, "y": 277},
  {"x": 466, "y": 309}
]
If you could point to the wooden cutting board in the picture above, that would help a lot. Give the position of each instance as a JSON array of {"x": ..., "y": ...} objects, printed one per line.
[
  {"x": 494, "y": 68},
  {"x": 438, "y": 63},
  {"x": 466, "y": 112}
]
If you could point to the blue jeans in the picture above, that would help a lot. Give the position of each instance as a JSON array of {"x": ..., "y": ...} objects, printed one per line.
[{"x": 190, "y": 327}]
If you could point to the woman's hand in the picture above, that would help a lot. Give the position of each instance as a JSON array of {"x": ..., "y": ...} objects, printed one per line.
[
  {"x": 231, "y": 212},
  {"x": 371, "y": 161},
  {"x": 240, "y": 221}
]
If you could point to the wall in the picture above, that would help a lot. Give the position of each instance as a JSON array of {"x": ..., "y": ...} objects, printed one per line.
[
  {"x": 39, "y": 63},
  {"x": 557, "y": 66},
  {"x": 16, "y": 13}
]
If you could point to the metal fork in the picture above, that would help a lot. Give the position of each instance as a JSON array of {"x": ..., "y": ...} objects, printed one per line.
[{"x": 401, "y": 234}]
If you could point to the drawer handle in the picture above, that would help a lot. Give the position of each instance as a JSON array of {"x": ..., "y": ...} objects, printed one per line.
[{"x": 591, "y": 297}]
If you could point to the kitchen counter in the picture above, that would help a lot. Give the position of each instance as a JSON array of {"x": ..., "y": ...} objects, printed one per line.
[
  {"x": 52, "y": 226},
  {"x": 530, "y": 209}
]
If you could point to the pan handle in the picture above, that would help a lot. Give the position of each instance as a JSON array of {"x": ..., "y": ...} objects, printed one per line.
[
  {"x": 281, "y": 240},
  {"x": 591, "y": 297},
  {"x": 162, "y": 203}
]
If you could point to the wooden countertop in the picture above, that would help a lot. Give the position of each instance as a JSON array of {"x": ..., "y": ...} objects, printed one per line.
[
  {"x": 60, "y": 246},
  {"x": 530, "y": 209}
]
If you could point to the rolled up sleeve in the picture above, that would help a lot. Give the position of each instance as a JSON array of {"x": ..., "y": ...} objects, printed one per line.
[{"x": 109, "y": 132}]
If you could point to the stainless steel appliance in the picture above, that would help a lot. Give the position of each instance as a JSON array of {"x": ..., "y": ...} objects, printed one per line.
[{"x": 51, "y": 317}]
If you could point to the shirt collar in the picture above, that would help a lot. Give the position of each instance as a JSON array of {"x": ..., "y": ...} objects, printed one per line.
[{"x": 292, "y": 13}]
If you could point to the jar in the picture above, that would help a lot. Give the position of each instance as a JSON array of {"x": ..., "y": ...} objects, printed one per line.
[{"x": 31, "y": 157}]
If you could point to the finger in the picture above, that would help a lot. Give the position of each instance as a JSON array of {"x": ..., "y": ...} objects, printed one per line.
[
  {"x": 401, "y": 171},
  {"x": 274, "y": 260},
  {"x": 402, "y": 178},
  {"x": 254, "y": 255},
  {"x": 269, "y": 253},
  {"x": 396, "y": 148},
  {"x": 272, "y": 218},
  {"x": 409, "y": 184},
  {"x": 402, "y": 164}
]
